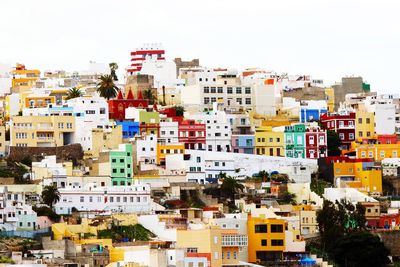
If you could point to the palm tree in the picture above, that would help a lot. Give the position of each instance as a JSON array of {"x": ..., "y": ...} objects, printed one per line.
[
  {"x": 113, "y": 69},
  {"x": 50, "y": 195},
  {"x": 74, "y": 93},
  {"x": 149, "y": 95},
  {"x": 179, "y": 111},
  {"x": 106, "y": 87},
  {"x": 264, "y": 175},
  {"x": 230, "y": 186}
]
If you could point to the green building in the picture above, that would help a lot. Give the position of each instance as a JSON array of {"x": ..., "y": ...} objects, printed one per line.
[
  {"x": 295, "y": 141},
  {"x": 121, "y": 165}
]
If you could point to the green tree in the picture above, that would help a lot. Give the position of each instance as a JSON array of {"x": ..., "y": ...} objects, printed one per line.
[
  {"x": 74, "y": 93},
  {"x": 263, "y": 175},
  {"x": 230, "y": 186},
  {"x": 360, "y": 249},
  {"x": 50, "y": 195},
  {"x": 149, "y": 95},
  {"x": 113, "y": 70},
  {"x": 180, "y": 110},
  {"x": 106, "y": 87},
  {"x": 287, "y": 198},
  {"x": 334, "y": 143}
]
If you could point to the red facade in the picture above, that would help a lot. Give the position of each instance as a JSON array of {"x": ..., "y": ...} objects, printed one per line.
[
  {"x": 316, "y": 144},
  {"x": 192, "y": 134},
  {"x": 116, "y": 107},
  {"x": 388, "y": 221},
  {"x": 343, "y": 124}
]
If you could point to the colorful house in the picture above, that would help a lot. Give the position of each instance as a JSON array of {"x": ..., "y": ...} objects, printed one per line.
[
  {"x": 192, "y": 134},
  {"x": 163, "y": 150},
  {"x": 365, "y": 124},
  {"x": 305, "y": 141},
  {"x": 116, "y": 107},
  {"x": 129, "y": 128},
  {"x": 269, "y": 142},
  {"x": 343, "y": 124},
  {"x": 243, "y": 143},
  {"x": 266, "y": 239},
  {"x": 121, "y": 165},
  {"x": 362, "y": 175},
  {"x": 378, "y": 148}
]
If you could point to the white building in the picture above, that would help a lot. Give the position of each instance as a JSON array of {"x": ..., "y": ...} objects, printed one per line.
[
  {"x": 146, "y": 151},
  {"x": 48, "y": 167},
  {"x": 15, "y": 213},
  {"x": 90, "y": 197},
  {"x": 232, "y": 92},
  {"x": 90, "y": 113},
  {"x": 168, "y": 132},
  {"x": 202, "y": 165},
  {"x": 351, "y": 195},
  {"x": 385, "y": 122}
]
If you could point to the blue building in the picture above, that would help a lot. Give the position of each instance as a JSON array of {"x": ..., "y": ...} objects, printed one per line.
[
  {"x": 243, "y": 143},
  {"x": 308, "y": 114},
  {"x": 129, "y": 128}
]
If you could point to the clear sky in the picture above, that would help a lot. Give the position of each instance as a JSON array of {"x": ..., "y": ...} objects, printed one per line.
[{"x": 327, "y": 39}]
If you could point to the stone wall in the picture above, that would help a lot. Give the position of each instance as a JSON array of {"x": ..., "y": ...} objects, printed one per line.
[
  {"x": 391, "y": 241},
  {"x": 72, "y": 153}
]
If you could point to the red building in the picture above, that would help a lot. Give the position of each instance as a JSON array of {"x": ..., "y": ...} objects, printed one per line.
[
  {"x": 389, "y": 221},
  {"x": 381, "y": 139},
  {"x": 116, "y": 107},
  {"x": 316, "y": 143},
  {"x": 343, "y": 124},
  {"x": 192, "y": 134},
  {"x": 153, "y": 52}
]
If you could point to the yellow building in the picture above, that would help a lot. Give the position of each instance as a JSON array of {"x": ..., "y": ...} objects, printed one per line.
[
  {"x": 365, "y": 124},
  {"x": 3, "y": 142},
  {"x": 104, "y": 140},
  {"x": 266, "y": 238},
  {"x": 269, "y": 142},
  {"x": 23, "y": 79},
  {"x": 168, "y": 149},
  {"x": 33, "y": 101},
  {"x": 376, "y": 151},
  {"x": 41, "y": 131},
  {"x": 360, "y": 175},
  {"x": 206, "y": 241},
  {"x": 330, "y": 98}
]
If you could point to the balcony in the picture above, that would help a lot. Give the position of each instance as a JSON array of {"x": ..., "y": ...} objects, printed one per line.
[{"x": 234, "y": 240}]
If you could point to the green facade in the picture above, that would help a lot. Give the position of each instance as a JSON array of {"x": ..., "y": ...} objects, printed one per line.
[
  {"x": 149, "y": 117},
  {"x": 295, "y": 146},
  {"x": 121, "y": 166}
]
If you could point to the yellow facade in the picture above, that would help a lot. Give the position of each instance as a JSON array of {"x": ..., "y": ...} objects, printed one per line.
[
  {"x": 266, "y": 238},
  {"x": 376, "y": 151},
  {"x": 38, "y": 101},
  {"x": 168, "y": 149},
  {"x": 365, "y": 124},
  {"x": 330, "y": 97},
  {"x": 365, "y": 180},
  {"x": 203, "y": 241},
  {"x": 104, "y": 140},
  {"x": 23, "y": 79},
  {"x": 41, "y": 131},
  {"x": 268, "y": 142},
  {"x": 2, "y": 140}
]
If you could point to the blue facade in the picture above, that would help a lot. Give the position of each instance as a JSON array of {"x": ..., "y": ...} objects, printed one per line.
[
  {"x": 309, "y": 114},
  {"x": 129, "y": 128},
  {"x": 244, "y": 144}
]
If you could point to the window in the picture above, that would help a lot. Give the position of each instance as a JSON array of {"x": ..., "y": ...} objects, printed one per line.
[
  {"x": 206, "y": 90},
  {"x": 351, "y": 136},
  {"x": 206, "y": 100},
  {"x": 220, "y": 90},
  {"x": 363, "y": 154},
  {"x": 248, "y": 101},
  {"x": 276, "y": 228},
  {"x": 82, "y": 199},
  {"x": 360, "y": 120},
  {"x": 114, "y": 170},
  {"x": 351, "y": 123},
  {"x": 368, "y": 134},
  {"x": 239, "y": 101},
  {"x": 276, "y": 242},
  {"x": 122, "y": 170},
  {"x": 260, "y": 228},
  {"x": 263, "y": 242},
  {"x": 382, "y": 153},
  {"x": 113, "y": 160},
  {"x": 360, "y": 134},
  {"x": 102, "y": 111},
  {"x": 230, "y": 90},
  {"x": 213, "y": 90},
  {"x": 121, "y": 160},
  {"x": 368, "y": 120},
  {"x": 370, "y": 154},
  {"x": 341, "y": 123},
  {"x": 247, "y": 90},
  {"x": 341, "y": 136},
  {"x": 90, "y": 112},
  {"x": 238, "y": 90}
]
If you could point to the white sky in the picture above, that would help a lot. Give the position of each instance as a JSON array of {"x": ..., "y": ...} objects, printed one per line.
[{"x": 324, "y": 38}]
